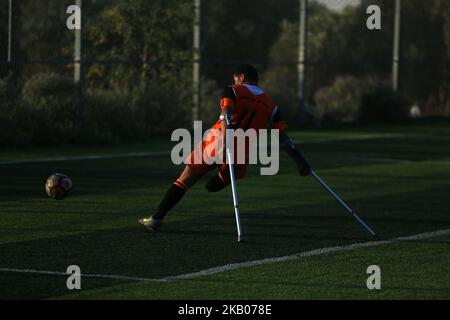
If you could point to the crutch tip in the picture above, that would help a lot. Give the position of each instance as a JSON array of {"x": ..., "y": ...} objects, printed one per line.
[
  {"x": 239, "y": 239},
  {"x": 377, "y": 237}
]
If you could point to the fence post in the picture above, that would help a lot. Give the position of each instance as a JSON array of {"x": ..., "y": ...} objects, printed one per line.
[
  {"x": 78, "y": 49},
  {"x": 196, "y": 60},
  {"x": 9, "y": 30},
  {"x": 396, "y": 52},
  {"x": 78, "y": 64},
  {"x": 301, "y": 64}
]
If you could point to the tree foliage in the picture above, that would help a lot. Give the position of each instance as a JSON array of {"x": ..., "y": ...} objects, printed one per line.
[{"x": 139, "y": 54}]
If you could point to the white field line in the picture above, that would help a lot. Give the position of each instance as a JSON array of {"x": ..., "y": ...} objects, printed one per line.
[
  {"x": 89, "y": 157},
  {"x": 234, "y": 266},
  {"x": 56, "y": 273},
  {"x": 163, "y": 153},
  {"x": 386, "y": 160}
]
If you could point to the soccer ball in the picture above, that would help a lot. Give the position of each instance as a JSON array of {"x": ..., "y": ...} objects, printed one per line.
[{"x": 58, "y": 186}]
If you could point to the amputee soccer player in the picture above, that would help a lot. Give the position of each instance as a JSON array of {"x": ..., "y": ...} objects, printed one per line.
[{"x": 251, "y": 108}]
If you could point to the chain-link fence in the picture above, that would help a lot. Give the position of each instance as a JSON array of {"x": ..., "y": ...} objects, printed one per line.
[{"x": 137, "y": 63}]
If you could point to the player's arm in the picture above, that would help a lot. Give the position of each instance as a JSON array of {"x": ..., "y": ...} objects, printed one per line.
[
  {"x": 287, "y": 144},
  {"x": 226, "y": 109}
]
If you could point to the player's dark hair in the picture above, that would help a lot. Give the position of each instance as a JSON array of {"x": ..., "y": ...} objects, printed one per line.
[{"x": 248, "y": 71}]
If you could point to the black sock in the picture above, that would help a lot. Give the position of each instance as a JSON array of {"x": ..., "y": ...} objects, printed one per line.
[
  {"x": 172, "y": 197},
  {"x": 215, "y": 184}
]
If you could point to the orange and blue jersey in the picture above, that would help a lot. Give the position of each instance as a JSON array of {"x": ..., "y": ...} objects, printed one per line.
[{"x": 252, "y": 108}]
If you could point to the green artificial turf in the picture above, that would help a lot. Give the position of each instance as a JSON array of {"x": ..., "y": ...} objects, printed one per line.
[{"x": 399, "y": 181}]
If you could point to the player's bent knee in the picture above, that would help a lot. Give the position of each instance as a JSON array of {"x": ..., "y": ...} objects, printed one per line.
[{"x": 215, "y": 184}]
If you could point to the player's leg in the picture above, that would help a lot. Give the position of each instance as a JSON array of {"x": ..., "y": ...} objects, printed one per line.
[
  {"x": 177, "y": 190},
  {"x": 193, "y": 171},
  {"x": 216, "y": 183},
  {"x": 174, "y": 194},
  {"x": 222, "y": 178}
]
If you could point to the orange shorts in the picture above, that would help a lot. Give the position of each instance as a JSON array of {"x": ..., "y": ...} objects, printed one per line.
[{"x": 204, "y": 153}]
